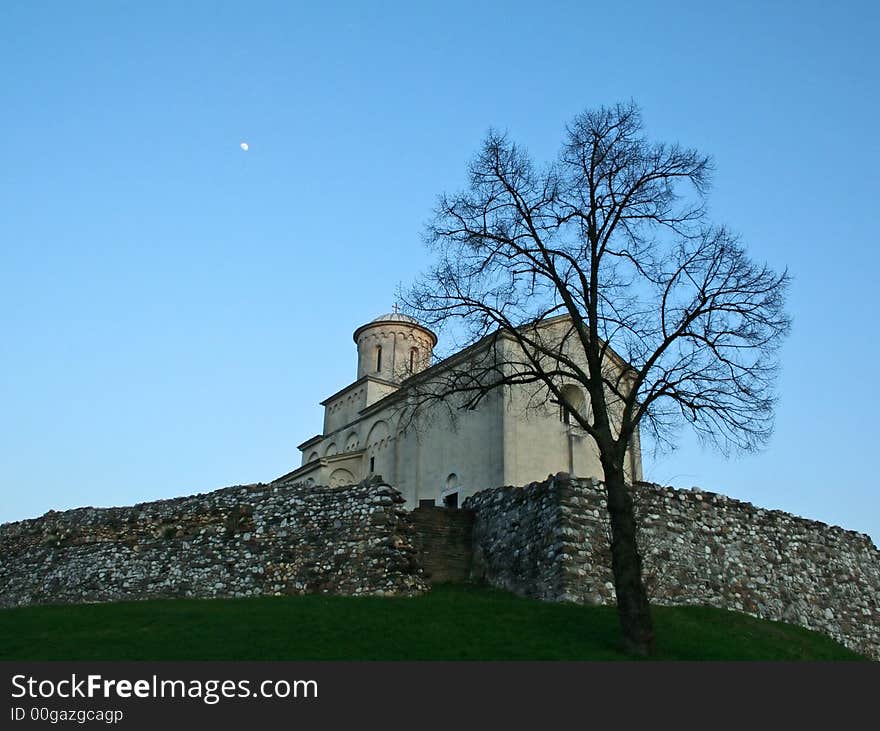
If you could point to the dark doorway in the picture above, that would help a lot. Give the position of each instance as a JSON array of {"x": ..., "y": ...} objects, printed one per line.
[{"x": 451, "y": 500}]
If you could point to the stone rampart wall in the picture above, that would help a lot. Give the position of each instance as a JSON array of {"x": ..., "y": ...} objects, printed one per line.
[
  {"x": 698, "y": 548},
  {"x": 239, "y": 541}
]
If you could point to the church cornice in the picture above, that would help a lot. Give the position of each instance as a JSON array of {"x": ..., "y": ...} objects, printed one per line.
[
  {"x": 359, "y": 382},
  {"x": 315, "y": 464},
  {"x": 396, "y": 322},
  {"x": 309, "y": 442}
]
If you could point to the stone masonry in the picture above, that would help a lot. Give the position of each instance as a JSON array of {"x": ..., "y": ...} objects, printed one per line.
[
  {"x": 549, "y": 541},
  {"x": 239, "y": 541},
  {"x": 546, "y": 540}
]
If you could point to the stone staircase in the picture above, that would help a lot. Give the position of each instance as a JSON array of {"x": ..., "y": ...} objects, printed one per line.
[{"x": 444, "y": 541}]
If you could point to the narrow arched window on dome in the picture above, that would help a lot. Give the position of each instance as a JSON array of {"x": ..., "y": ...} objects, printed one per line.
[
  {"x": 378, "y": 357},
  {"x": 413, "y": 357}
]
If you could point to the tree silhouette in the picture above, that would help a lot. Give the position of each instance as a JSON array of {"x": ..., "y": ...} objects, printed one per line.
[{"x": 602, "y": 268}]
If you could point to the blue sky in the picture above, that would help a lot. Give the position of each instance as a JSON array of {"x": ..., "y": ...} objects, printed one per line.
[{"x": 173, "y": 308}]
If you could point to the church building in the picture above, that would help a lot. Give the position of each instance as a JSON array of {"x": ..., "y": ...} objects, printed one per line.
[{"x": 509, "y": 438}]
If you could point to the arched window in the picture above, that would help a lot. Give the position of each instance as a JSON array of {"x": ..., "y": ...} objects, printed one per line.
[
  {"x": 378, "y": 357},
  {"x": 413, "y": 358},
  {"x": 572, "y": 400}
]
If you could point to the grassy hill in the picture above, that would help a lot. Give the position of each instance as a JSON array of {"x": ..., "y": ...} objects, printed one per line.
[{"x": 450, "y": 623}]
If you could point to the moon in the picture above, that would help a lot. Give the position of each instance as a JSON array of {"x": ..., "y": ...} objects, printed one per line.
[{"x": 244, "y": 146}]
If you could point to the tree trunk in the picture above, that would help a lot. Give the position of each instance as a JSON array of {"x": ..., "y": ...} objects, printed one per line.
[{"x": 626, "y": 564}]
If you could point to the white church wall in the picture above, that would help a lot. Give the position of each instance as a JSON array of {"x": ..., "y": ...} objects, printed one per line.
[
  {"x": 539, "y": 439},
  {"x": 468, "y": 446},
  {"x": 344, "y": 408},
  {"x": 538, "y": 443},
  {"x": 377, "y": 390}
]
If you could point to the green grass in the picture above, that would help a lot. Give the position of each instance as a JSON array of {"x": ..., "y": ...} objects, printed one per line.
[{"x": 449, "y": 623}]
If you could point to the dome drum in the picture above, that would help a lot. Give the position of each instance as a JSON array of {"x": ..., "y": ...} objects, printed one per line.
[{"x": 393, "y": 347}]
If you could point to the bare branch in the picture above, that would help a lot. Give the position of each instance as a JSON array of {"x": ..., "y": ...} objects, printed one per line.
[{"x": 602, "y": 269}]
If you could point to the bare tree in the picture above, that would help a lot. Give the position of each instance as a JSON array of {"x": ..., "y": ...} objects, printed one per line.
[{"x": 602, "y": 268}]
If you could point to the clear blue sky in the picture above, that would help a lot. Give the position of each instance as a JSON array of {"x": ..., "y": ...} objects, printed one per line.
[{"x": 173, "y": 308}]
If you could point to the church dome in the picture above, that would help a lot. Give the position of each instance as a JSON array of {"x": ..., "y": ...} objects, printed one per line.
[
  {"x": 395, "y": 317},
  {"x": 392, "y": 319},
  {"x": 393, "y": 347}
]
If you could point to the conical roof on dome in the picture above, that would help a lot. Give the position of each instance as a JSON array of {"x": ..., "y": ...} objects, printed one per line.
[{"x": 395, "y": 317}]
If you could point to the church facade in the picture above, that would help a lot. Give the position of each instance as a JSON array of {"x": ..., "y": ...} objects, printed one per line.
[{"x": 444, "y": 454}]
